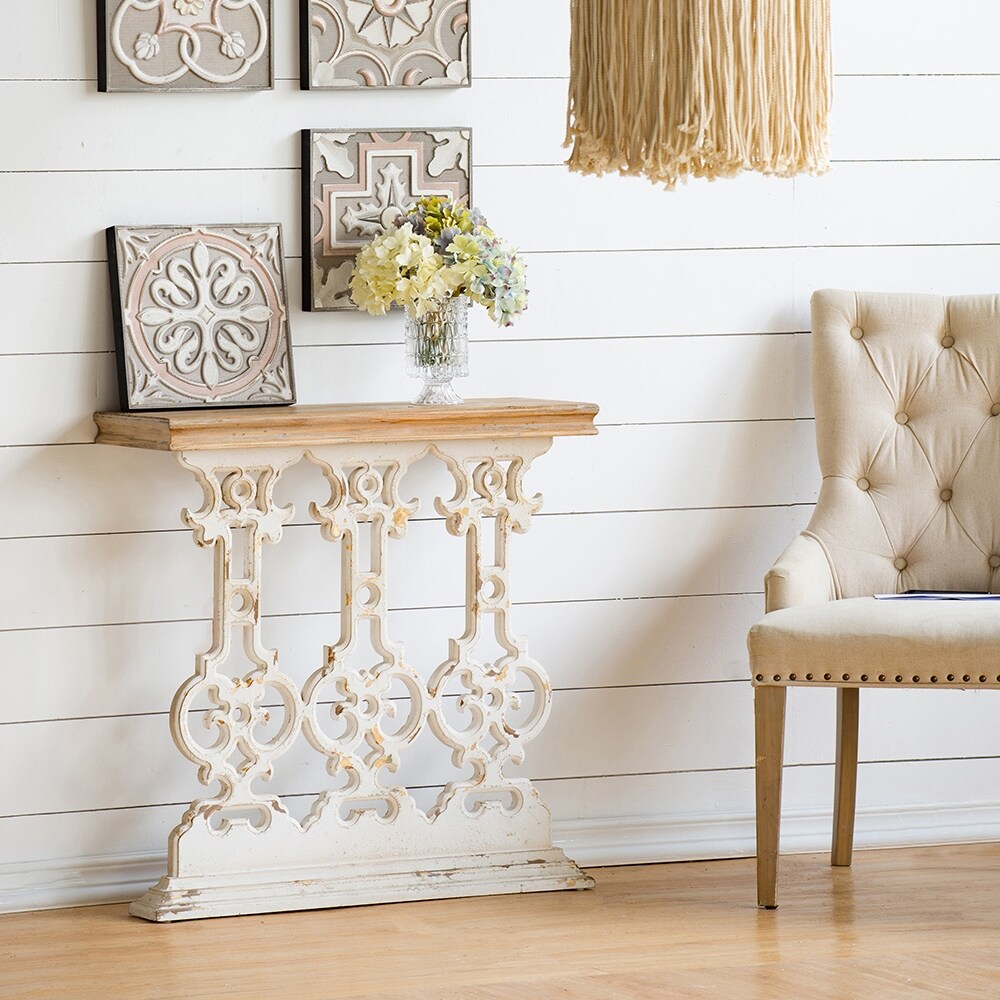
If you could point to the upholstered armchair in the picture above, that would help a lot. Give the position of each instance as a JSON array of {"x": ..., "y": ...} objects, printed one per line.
[{"x": 907, "y": 397}]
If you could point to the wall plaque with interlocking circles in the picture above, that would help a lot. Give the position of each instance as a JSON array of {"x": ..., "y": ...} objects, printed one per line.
[{"x": 178, "y": 45}]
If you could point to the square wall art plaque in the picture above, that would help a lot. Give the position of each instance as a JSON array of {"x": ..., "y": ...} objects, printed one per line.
[
  {"x": 384, "y": 43},
  {"x": 181, "y": 45},
  {"x": 355, "y": 183},
  {"x": 201, "y": 316}
]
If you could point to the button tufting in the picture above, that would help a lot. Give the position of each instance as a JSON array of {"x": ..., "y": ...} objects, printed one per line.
[
  {"x": 995, "y": 410},
  {"x": 994, "y": 562},
  {"x": 900, "y": 564},
  {"x": 947, "y": 341},
  {"x": 863, "y": 484},
  {"x": 902, "y": 418},
  {"x": 857, "y": 333},
  {"x": 946, "y": 495}
]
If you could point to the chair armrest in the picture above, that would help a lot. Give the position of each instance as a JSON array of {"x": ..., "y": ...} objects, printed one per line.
[{"x": 802, "y": 575}]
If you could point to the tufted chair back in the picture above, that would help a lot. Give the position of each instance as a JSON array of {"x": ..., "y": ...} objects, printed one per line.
[{"x": 907, "y": 397}]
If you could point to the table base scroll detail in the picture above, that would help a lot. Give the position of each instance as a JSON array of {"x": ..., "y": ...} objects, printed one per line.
[{"x": 364, "y": 840}]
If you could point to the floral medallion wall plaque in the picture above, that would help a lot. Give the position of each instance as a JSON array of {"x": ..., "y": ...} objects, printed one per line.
[
  {"x": 201, "y": 316},
  {"x": 384, "y": 43},
  {"x": 178, "y": 45},
  {"x": 355, "y": 184}
]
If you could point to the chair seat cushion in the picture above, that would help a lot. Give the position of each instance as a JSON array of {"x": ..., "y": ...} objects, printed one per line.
[{"x": 862, "y": 642}]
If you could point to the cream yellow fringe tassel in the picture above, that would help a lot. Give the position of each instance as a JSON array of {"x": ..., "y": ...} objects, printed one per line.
[{"x": 703, "y": 88}]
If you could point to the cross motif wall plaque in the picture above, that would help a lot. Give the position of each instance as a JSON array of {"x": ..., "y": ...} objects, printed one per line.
[{"x": 356, "y": 183}]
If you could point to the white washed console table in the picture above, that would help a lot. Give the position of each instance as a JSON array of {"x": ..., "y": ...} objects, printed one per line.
[{"x": 364, "y": 841}]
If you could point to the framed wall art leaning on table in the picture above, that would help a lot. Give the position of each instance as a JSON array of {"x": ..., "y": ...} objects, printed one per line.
[{"x": 200, "y": 316}]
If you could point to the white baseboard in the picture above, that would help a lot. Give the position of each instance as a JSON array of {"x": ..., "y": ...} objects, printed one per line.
[
  {"x": 708, "y": 837},
  {"x": 89, "y": 881}
]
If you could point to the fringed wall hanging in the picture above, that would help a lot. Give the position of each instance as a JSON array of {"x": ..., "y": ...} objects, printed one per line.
[{"x": 702, "y": 88}]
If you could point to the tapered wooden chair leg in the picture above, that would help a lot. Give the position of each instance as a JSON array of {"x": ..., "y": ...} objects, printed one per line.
[
  {"x": 769, "y": 715},
  {"x": 846, "y": 779}
]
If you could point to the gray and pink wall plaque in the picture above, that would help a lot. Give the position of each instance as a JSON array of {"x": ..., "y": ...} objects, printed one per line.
[
  {"x": 201, "y": 316},
  {"x": 355, "y": 183},
  {"x": 384, "y": 43},
  {"x": 181, "y": 45}
]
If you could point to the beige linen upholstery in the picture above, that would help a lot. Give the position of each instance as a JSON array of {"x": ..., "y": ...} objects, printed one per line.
[
  {"x": 861, "y": 641},
  {"x": 907, "y": 397}
]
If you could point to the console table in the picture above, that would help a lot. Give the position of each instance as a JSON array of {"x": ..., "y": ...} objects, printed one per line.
[{"x": 364, "y": 841}]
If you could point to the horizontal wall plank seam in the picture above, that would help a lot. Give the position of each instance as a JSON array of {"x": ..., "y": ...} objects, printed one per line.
[
  {"x": 442, "y": 607},
  {"x": 538, "y": 781},
  {"x": 544, "y": 164},
  {"x": 474, "y": 340},
  {"x": 705, "y": 682},
  {"x": 425, "y": 520},
  {"x": 642, "y": 250}
]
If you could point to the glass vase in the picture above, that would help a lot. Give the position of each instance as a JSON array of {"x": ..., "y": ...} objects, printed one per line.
[{"x": 437, "y": 349}]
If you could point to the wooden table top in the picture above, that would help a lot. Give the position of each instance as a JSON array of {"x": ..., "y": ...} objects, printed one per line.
[{"x": 344, "y": 423}]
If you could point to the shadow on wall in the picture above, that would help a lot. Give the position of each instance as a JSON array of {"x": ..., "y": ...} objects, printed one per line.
[{"x": 683, "y": 630}]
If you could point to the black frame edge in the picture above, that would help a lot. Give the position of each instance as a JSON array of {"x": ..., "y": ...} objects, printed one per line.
[
  {"x": 117, "y": 320},
  {"x": 305, "y": 55},
  {"x": 102, "y": 46},
  {"x": 305, "y": 180}
]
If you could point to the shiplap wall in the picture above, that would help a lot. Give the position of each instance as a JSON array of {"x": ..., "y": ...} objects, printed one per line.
[{"x": 681, "y": 314}]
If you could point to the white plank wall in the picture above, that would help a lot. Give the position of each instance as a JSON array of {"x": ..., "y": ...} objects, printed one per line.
[{"x": 681, "y": 314}]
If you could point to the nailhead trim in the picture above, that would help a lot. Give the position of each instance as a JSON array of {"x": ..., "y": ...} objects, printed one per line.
[{"x": 880, "y": 679}]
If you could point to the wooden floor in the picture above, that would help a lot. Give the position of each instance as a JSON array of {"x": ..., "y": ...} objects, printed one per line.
[{"x": 914, "y": 924}]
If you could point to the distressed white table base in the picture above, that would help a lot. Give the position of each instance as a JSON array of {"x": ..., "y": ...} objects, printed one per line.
[
  {"x": 357, "y": 883},
  {"x": 365, "y": 840}
]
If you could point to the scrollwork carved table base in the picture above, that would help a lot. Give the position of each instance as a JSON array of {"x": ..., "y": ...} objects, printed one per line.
[{"x": 364, "y": 840}]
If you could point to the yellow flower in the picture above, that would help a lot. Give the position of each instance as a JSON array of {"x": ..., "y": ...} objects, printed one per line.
[{"x": 398, "y": 267}]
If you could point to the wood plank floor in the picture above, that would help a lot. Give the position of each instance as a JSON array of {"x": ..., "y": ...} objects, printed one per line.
[{"x": 914, "y": 924}]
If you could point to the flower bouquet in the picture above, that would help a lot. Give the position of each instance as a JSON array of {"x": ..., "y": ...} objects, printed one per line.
[{"x": 432, "y": 262}]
